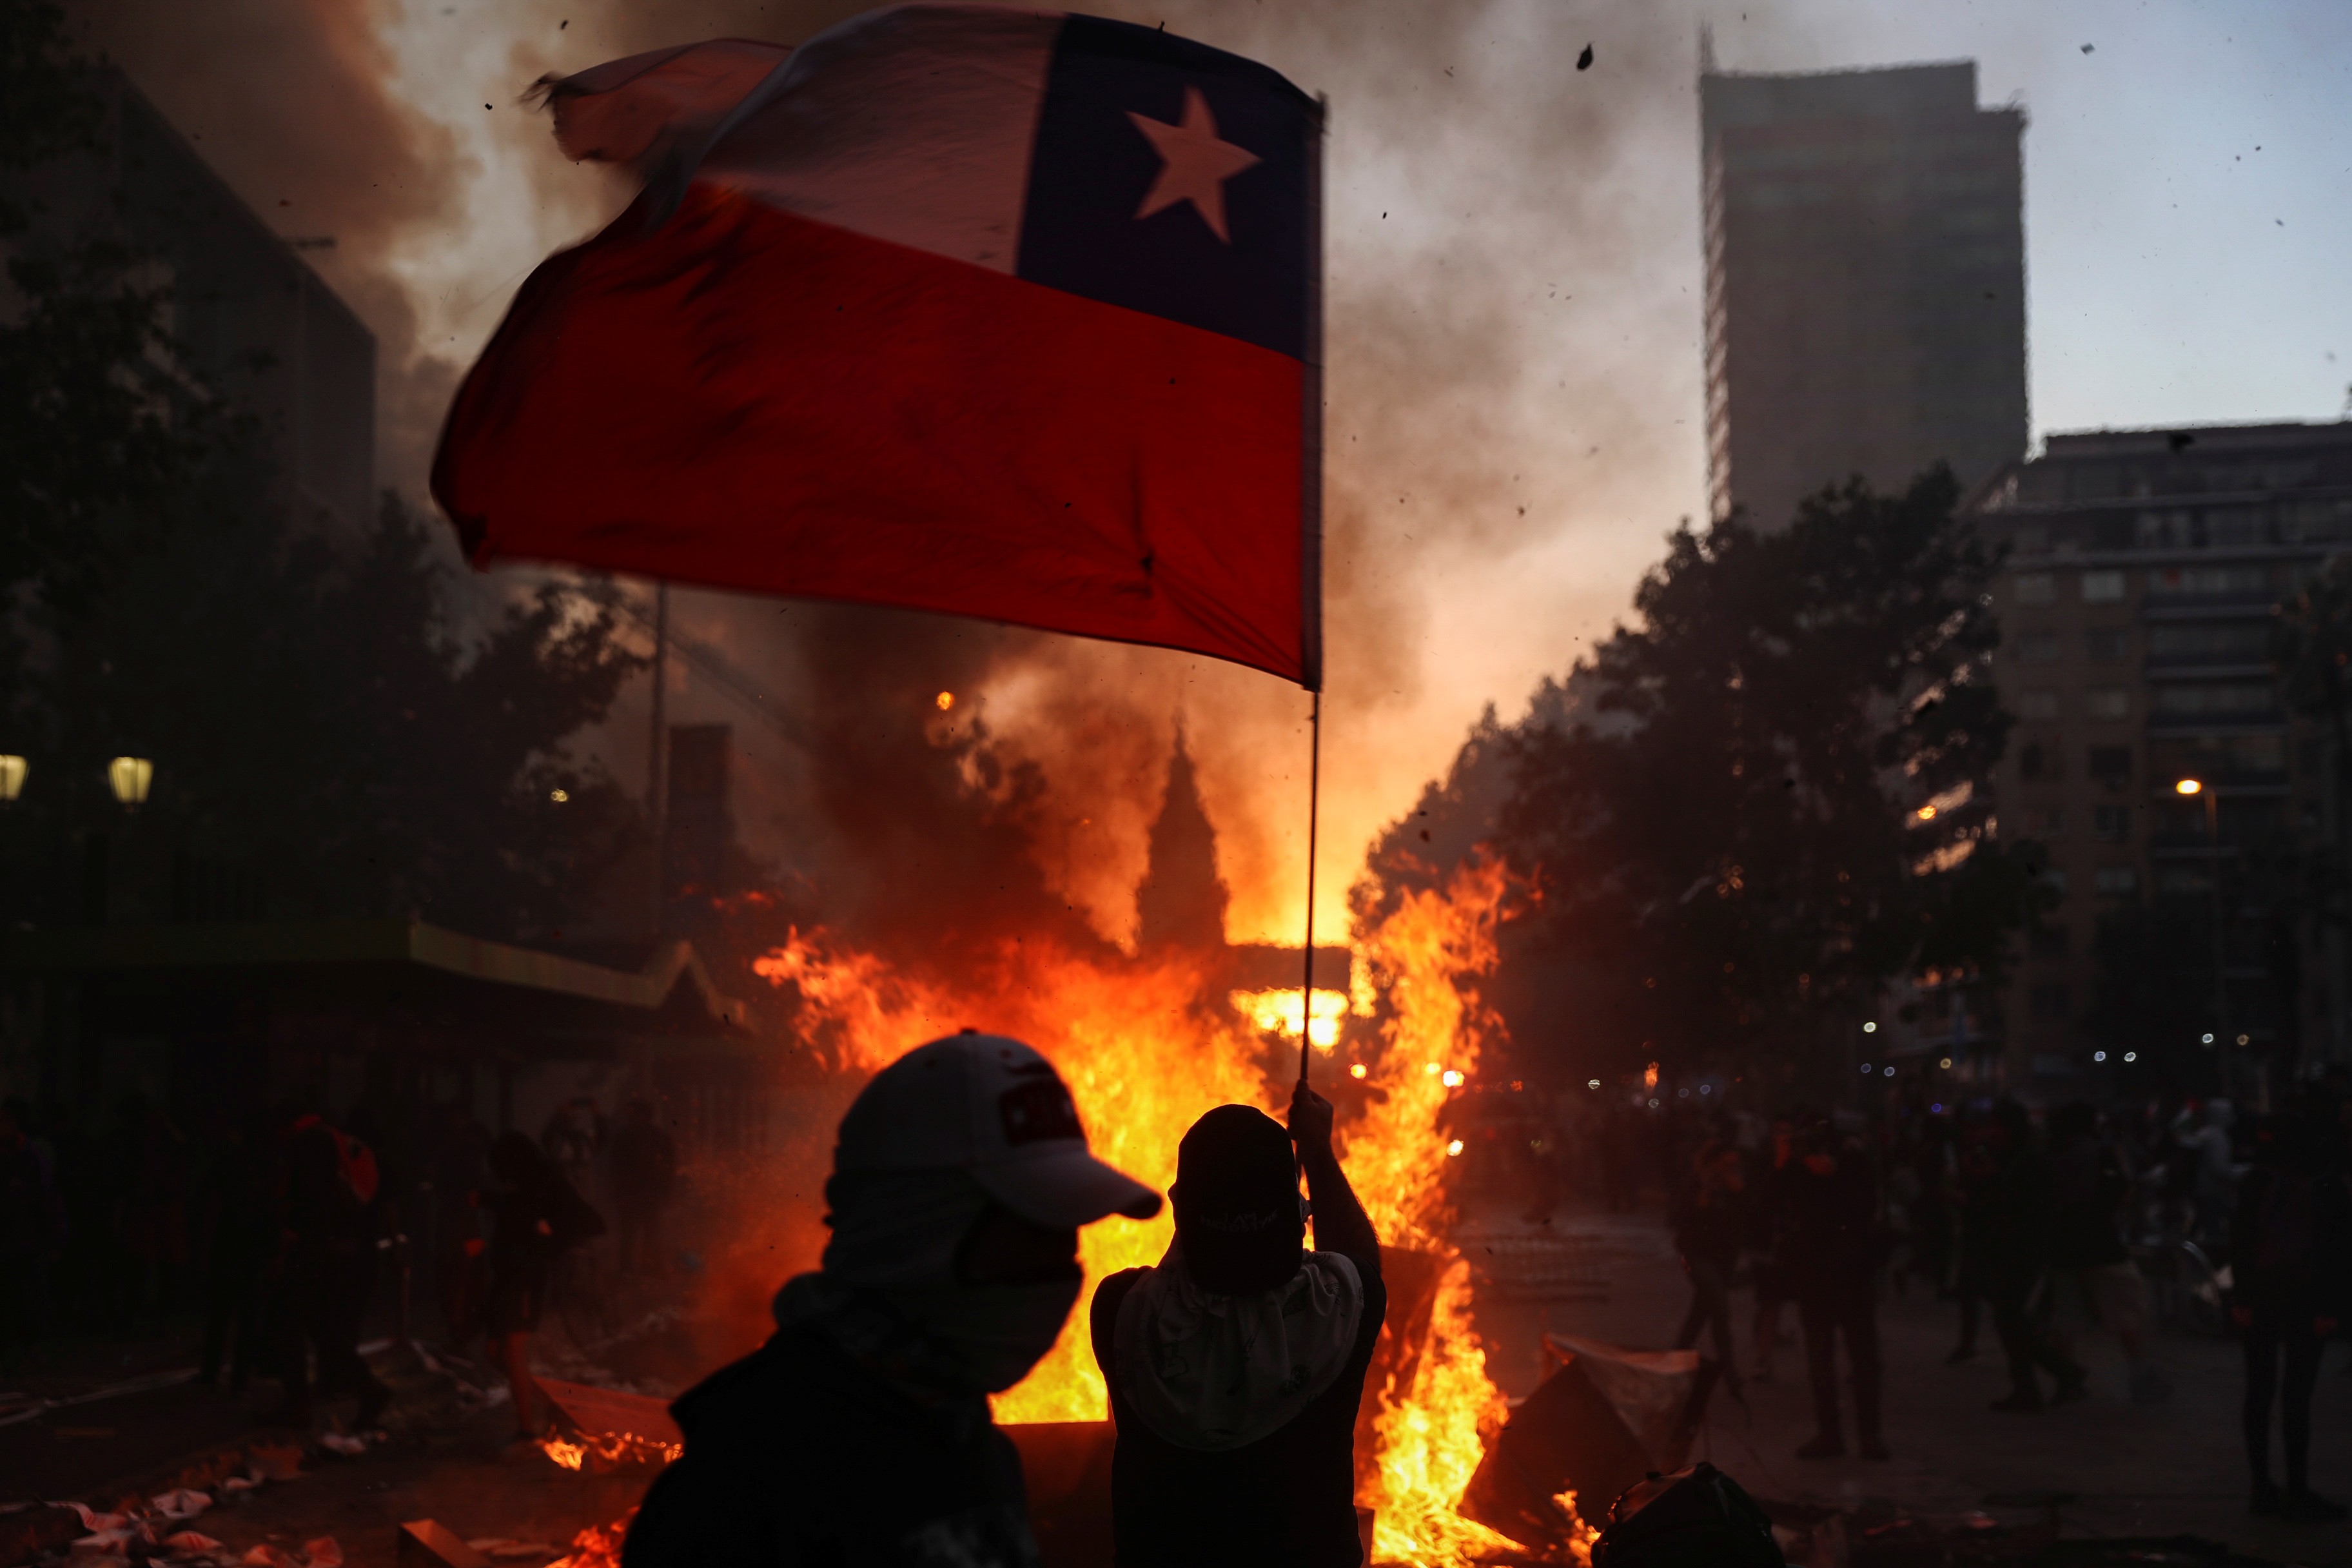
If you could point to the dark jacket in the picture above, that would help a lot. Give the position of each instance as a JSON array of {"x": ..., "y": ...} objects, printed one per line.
[
  {"x": 797, "y": 1455},
  {"x": 2288, "y": 1244},
  {"x": 2088, "y": 1185},
  {"x": 1831, "y": 1237},
  {"x": 1714, "y": 1231}
]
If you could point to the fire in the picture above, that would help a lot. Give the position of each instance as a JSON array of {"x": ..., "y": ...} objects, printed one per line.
[
  {"x": 598, "y": 1546},
  {"x": 1276, "y": 1011},
  {"x": 1144, "y": 1057},
  {"x": 616, "y": 1448}
]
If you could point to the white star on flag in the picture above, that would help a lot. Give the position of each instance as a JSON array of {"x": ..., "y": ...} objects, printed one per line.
[{"x": 1194, "y": 165}]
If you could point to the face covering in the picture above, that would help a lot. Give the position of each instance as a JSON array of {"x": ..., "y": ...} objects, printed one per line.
[{"x": 992, "y": 1334}]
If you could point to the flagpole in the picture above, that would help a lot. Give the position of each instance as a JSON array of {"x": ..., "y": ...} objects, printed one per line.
[
  {"x": 656, "y": 752},
  {"x": 1314, "y": 804},
  {"x": 1311, "y": 554}
]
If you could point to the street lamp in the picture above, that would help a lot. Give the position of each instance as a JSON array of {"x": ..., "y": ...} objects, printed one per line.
[
  {"x": 129, "y": 777},
  {"x": 12, "y": 778},
  {"x": 2213, "y": 917}
]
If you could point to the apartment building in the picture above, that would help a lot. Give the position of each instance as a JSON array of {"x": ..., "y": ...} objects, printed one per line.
[{"x": 2137, "y": 612}]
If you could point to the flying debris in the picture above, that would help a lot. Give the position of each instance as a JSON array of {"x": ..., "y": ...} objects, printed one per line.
[
  {"x": 2086, "y": 48},
  {"x": 1584, "y": 60}
]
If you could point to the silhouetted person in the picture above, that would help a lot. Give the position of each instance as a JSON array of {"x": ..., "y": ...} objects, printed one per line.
[
  {"x": 645, "y": 1169},
  {"x": 326, "y": 1246},
  {"x": 1711, "y": 1222},
  {"x": 1237, "y": 1364},
  {"x": 1830, "y": 1206},
  {"x": 2091, "y": 1275},
  {"x": 536, "y": 1216},
  {"x": 28, "y": 1227},
  {"x": 240, "y": 1233},
  {"x": 2290, "y": 1269},
  {"x": 860, "y": 1432},
  {"x": 2016, "y": 1214},
  {"x": 459, "y": 1153},
  {"x": 1979, "y": 1164},
  {"x": 1768, "y": 1189}
]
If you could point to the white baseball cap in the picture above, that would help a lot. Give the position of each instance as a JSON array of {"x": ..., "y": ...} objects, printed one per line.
[{"x": 994, "y": 1107}]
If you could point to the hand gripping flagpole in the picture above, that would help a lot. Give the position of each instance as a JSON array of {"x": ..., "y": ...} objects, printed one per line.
[{"x": 1312, "y": 557}]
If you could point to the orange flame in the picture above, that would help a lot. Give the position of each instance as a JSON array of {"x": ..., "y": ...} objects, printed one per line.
[
  {"x": 598, "y": 1546},
  {"x": 618, "y": 1448},
  {"x": 1145, "y": 1049}
]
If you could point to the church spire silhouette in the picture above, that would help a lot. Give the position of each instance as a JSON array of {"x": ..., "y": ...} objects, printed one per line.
[{"x": 1182, "y": 900}]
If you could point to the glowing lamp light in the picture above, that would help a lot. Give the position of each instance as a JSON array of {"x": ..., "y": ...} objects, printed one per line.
[
  {"x": 1450, "y": 1079},
  {"x": 1356, "y": 1069},
  {"x": 1654, "y": 1105},
  {"x": 1945, "y": 1064},
  {"x": 2131, "y": 1056},
  {"x": 559, "y": 795},
  {"x": 1593, "y": 1083},
  {"x": 1889, "y": 1071},
  {"x": 1926, "y": 813},
  {"x": 2188, "y": 786},
  {"x": 2209, "y": 1039},
  {"x": 1867, "y": 1070},
  {"x": 12, "y": 778},
  {"x": 1870, "y": 1028},
  {"x": 1454, "y": 1150},
  {"x": 2245, "y": 1039},
  {"x": 130, "y": 777},
  {"x": 2098, "y": 1056},
  {"x": 946, "y": 699}
]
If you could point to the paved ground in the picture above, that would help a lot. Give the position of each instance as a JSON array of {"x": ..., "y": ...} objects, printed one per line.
[{"x": 2136, "y": 1469}]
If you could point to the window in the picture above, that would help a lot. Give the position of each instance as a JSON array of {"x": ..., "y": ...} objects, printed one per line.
[
  {"x": 2111, "y": 765},
  {"x": 2037, "y": 647},
  {"x": 2037, "y": 705},
  {"x": 2210, "y": 642},
  {"x": 2038, "y": 762},
  {"x": 2107, "y": 702},
  {"x": 2161, "y": 529},
  {"x": 2050, "y": 821},
  {"x": 2107, "y": 645},
  {"x": 2111, "y": 821},
  {"x": 2048, "y": 941},
  {"x": 2304, "y": 521},
  {"x": 2102, "y": 587},
  {"x": 2118, "y": 881},
  {"x": 2228, "y": 582},
  {"x": 2229, "y": 528},
  {"x": 2054, "y": 999},
  {"x": 2031, "y": 541},
  {"x": 2221, "y": 700},
  {"x": 2055, "y": 880},
  {"x": 2037, "y": 588}
]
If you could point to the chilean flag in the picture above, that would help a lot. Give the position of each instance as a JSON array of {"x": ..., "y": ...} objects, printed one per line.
[{"x": 1006, "y": 313}]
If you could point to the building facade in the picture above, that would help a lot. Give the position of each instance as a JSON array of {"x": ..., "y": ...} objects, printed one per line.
[
  {"x": 1865, "y": 282},
  {"x": 2137, "y": 615},
  {"x": 251, "y": 314}
]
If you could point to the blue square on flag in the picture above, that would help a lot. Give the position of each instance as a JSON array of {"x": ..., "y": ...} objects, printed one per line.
[{"x": 1170, "y": 177}]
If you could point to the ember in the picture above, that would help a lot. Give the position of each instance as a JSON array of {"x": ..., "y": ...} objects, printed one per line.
[{"x": 1143, "y": 1057}]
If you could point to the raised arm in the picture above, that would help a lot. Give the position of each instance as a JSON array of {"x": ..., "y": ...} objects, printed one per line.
[{"x": 1340, "y": 1223}]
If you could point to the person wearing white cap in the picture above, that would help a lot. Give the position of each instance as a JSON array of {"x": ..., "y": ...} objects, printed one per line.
[{"x": 860, "y": 1432}]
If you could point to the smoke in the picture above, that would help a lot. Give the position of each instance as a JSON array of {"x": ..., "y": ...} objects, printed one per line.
[{"x": 1514, "y": 412}]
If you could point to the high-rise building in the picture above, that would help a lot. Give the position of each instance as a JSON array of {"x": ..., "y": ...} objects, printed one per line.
[
  {"x": 2137, "y": 615},
  {"x": 1865, "y": 282}
]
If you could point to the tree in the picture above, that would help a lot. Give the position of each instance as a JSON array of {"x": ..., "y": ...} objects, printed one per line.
[
  {"x": 1745, "y": 813},
  {"x": 332, "y": 738}
]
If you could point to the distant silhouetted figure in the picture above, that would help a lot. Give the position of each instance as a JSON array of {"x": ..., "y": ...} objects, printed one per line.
[
  {"x": 240, "y": 1234},
  {"x": 1712, "y": 1220},
  {"x": 2288, "y": 1258},
  {"x": 2016, "y": 1210},
  {"x": 538, "y": 1215},
  {"x": 1830, "y": 1204},
  {"x": 645, "y": 1169}
]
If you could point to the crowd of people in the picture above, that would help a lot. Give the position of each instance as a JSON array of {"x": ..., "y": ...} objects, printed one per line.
[
  {"x": 2049, "y": 1228},
  {"x": 281, "y": 1232}
]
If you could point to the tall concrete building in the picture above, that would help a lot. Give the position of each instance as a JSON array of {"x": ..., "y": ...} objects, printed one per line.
[
  {"x": 247, "y": 307},
  {"x": 2136, "y": 622},
  {"x": 1865, "y": 282}
]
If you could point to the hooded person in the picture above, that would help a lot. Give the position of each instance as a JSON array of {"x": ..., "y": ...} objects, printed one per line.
[
  {"x": 860, "y": 1431},
  {"x": 1237, "y": 1364}
]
